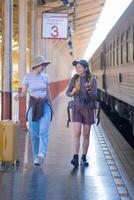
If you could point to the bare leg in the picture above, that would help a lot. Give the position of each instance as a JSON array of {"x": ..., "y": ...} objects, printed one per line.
[
  {"x": 77, "y": 133},
  {"x": 86, "y": 137}
]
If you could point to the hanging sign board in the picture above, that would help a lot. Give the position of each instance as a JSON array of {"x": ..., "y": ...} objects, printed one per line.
[{"x": 54, "y": 25}]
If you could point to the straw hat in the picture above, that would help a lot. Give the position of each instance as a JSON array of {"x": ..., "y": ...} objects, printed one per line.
[{"x": 39, "y": 60}]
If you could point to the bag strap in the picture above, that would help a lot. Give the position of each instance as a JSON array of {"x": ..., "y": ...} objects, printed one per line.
[
  {"x": 68, "y": 114},
  {"x": 98, "y": 114}
]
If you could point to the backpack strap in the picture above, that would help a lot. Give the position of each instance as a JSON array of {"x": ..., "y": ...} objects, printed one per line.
[
  {"x": 69, "y": 107},
  {"x": 98, "y": 112},
  {"x": 68, "y": 114}
]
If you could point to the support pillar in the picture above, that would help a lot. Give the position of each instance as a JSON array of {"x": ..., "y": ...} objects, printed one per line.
[
  {"x": 7, "y": 60},
  {"x": 33, "y": 33},
  {"x": 22, "y": 57}
]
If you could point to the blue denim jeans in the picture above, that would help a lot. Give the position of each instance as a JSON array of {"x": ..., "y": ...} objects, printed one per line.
[{"x": 39, "y": 131}]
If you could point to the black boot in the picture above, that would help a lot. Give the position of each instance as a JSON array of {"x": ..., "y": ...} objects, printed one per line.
[
  {"x": 75, "y": 160},
  {"x": 84, "y": 161}
]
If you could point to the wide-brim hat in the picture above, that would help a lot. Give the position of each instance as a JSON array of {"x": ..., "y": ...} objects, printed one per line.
[
  {"x": 84, "y": 63},
  {"x": 40, "y": 60}
]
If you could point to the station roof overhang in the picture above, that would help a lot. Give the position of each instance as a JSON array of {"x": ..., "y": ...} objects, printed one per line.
[{"x": 83, "y": 16}]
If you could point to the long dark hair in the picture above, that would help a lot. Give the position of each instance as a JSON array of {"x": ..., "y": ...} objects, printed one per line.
[{"x": 87, "y": 74}]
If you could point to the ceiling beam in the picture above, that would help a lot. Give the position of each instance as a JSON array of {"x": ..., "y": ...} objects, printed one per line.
[
  {"x": 84, "y": 36},
  {"x": 87, "y": 11},
  {"x": 83, "y": 26},
  {"x": 88, "y": 29}
]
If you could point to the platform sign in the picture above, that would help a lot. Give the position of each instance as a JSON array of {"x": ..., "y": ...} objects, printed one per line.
[{"x": 54, "y": 25}]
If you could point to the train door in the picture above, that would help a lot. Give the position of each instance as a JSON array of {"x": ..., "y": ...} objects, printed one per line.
[{"x": 103, "y": 66}]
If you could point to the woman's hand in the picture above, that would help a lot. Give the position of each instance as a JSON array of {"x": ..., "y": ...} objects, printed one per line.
[
  {"x": 16, "y": 97},
  {"x": 21, "y": 94},
  {"x": 74, "y": 91},
  {"x": 88, "y": 85}
]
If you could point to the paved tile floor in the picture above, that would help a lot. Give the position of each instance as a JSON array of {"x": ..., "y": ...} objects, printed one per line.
[{"x": 57, "y": 179}]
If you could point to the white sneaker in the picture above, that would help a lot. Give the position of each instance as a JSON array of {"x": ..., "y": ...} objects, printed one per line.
[
  {"x": 36, "y": 161},
  {"x": 41, "y": 159}
]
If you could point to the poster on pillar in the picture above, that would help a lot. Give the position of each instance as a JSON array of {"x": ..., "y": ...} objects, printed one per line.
[{"x": 54, "y": 25}]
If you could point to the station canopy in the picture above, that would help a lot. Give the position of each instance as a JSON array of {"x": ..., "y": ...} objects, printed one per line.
[{"x": 82, "y": 18}]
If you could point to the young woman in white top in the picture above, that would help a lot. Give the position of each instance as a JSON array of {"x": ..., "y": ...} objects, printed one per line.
[{"x": 39, "y": 112}]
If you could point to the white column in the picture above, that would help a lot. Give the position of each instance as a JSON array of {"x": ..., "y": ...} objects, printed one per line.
[
  {"x": 33, "y": 28},
  {"x": 7, "y": 60},
  {"x": 22, "y": 56},
  {"x": 22, "y": 38},
  {"x": 7, "y": 33}
]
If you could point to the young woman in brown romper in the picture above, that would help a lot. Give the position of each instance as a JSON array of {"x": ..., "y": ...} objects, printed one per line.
[{"x": 83, "y": 89}]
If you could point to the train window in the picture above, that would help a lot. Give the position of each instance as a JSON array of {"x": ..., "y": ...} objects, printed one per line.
[
  {"x": 128, "y": 46},
  {"x": 122, "y": 47},
  {"x": 103, "y": 59},
  {"x": 120, "y": 77},
  {"x": 133, "y": 42},
  {"x": 110, "y": 55},
  {"x": 117, "y": 51},
  {"x": 114, "y": 53},
  {"x": 107, "y": 57}
]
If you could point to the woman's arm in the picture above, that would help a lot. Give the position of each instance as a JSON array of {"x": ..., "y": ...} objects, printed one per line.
[
  {"x": 71, "y": 91},
  {"x": 92, "y": 92}
]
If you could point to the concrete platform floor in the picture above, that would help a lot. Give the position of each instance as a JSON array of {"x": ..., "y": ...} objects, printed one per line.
[{"x": 57, "y": 179}]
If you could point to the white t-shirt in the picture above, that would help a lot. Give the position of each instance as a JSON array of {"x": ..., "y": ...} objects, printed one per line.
[{"x": 37, "y": 84}]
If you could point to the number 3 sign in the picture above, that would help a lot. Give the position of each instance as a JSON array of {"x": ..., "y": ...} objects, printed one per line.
[{"x": 54, "y": 25}]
